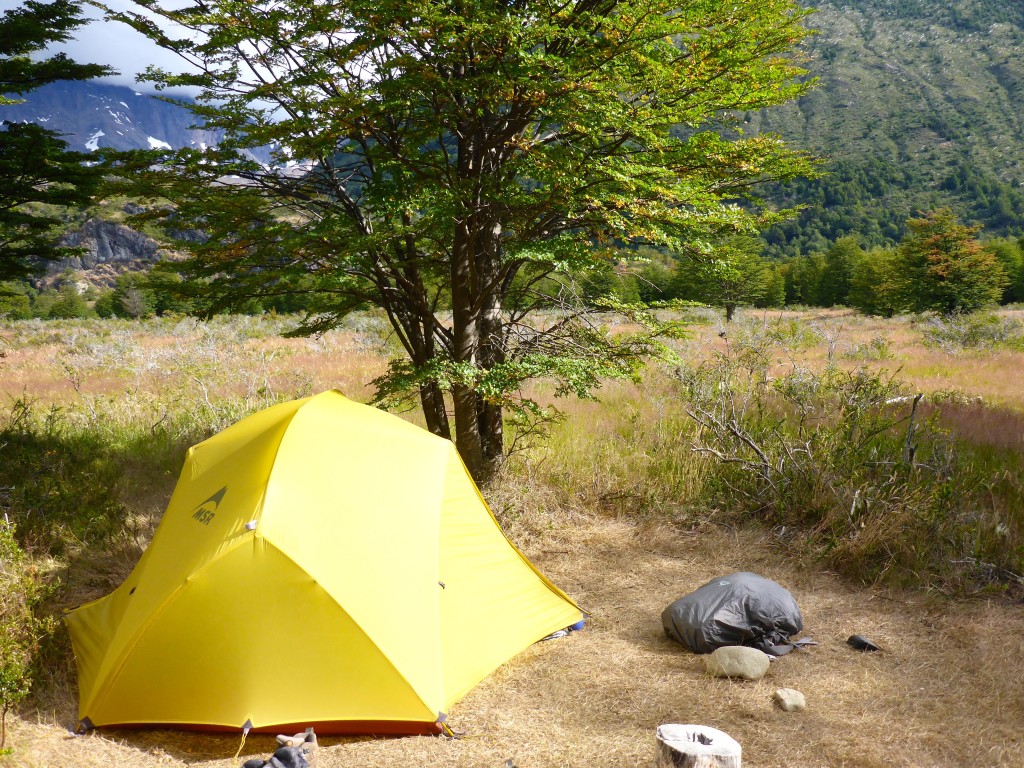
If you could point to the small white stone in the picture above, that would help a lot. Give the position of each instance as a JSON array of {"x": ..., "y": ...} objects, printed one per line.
[
  {"x": 738, "y": 661},
  {"x": 790, "y": 700}
]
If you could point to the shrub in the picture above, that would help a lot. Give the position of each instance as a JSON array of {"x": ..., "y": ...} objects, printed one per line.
[
  {"x": 654, "y": 282},
  {"x": 59, "y": 486},
  {"x": 105, "y": 305},
  {"x": 846, "y": 459},
  {"x": 16, "y": 300},
  {"x": 69, "y": 304},
  {"x": 878, "y": 348},
  {"x": 984, "y": 331}
]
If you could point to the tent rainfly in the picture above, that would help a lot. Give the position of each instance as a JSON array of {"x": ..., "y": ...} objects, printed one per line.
[{"x": 321, "y": 563}]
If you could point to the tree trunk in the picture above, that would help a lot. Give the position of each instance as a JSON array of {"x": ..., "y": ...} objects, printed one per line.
[
  {"x": 465, "y": 346},
  {"x": 492, "y": 348},
  {"x": 476, "y": 308},
  {"x": 434, "y": 409},
  {"x": 730, "y": 310},
  {"x": 467, "y": 430},
  {"x": 491, "y": 416},
  {"x": 696, "y": 746},
  {"x": 492, "y": 438}
]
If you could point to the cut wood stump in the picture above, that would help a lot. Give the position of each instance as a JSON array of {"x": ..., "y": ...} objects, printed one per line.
[{"x": 696, "y": 746}]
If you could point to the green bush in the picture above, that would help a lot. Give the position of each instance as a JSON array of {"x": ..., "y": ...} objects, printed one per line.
[
  {"x": 105, "y": 305},
  {"x": 654, "y": 283},
  {"x": 69, "y": 304},
  {"x": 16, "y": 300}
]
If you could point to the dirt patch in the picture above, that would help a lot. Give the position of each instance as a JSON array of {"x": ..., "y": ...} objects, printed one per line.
[{"x": 948, "y": 690}]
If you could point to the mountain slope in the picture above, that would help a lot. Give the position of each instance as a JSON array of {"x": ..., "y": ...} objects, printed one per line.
[
  {"x": 920, "y": 103},
  {"x": 93, "y": 115}
]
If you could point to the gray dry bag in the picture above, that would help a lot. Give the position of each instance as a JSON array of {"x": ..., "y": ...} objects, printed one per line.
[{"x": 742, "y": 609}]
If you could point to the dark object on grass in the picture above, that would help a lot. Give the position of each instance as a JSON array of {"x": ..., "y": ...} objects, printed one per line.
[
  {"x": 298, "y": 751},
  {"x": 861, "y": 643},
  {"x": 741, "y": 609}
]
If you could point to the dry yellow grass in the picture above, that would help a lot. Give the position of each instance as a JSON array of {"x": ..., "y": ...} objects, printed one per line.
[
  {"x": 989, "y": 374},
  {"x": 947, "y": 691},
  {"x": 68, "y": 362}
]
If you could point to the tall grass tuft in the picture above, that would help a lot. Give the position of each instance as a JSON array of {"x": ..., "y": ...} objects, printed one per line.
[
  {"x": 21, "y": 630},
  {"x": 626, "y": 456},
  {"x": 58, "y": 485}
]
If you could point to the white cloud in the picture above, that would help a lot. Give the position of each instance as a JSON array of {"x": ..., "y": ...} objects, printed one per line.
[{"x": 115, "y": 44}]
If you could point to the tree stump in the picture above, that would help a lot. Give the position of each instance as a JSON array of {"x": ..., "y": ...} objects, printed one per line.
[{"x": 696, "y": 746}]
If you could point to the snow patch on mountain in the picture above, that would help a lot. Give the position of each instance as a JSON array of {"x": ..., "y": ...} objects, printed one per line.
[
  {"x": 98, "y": 115},
  {"x": 94, "y": 141}
]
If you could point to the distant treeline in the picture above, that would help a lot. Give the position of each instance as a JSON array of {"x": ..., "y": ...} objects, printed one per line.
[
  {"x": 939, "y": 265},
  {"x": 157, "y": 292}
]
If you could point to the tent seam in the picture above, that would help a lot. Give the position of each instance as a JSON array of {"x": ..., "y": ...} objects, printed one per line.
[
  {"x": 370, "y": 637},
  {"x": 111, "y": 680}
]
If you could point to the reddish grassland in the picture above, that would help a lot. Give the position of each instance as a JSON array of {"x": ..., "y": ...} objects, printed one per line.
[{"x": 49, "y": 360}]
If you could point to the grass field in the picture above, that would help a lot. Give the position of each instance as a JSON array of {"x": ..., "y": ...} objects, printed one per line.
[{"x": 612, "y": 507}]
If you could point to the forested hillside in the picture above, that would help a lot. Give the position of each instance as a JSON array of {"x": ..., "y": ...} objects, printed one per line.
[{"x": 920, "y": 104}]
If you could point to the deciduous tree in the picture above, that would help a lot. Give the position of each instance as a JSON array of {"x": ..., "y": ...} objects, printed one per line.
[
  {"x": 873, "y": 277},
  {"x": 734, "y": 275},
  {"x": 803, "y": 279},
  {"x": 943, "y": 268},
  {"x": 839, "y": 261},
  {"x": 461, "y": 152},
  {"x": 1009, "y": 254}
]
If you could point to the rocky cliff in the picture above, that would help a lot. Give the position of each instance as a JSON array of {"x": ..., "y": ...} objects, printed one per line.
[{"x": 110, "y": 249}]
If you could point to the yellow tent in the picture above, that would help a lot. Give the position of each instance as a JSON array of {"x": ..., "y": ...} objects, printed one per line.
[{"x": 320, "y": 562}]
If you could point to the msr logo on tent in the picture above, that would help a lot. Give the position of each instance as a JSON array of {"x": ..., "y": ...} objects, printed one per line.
[{"x": 206, "y": 511}]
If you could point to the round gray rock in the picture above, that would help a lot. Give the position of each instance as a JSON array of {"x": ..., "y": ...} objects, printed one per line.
[
  {"x": 738, "y": 661},
  {"x": 790, "y": 700}
]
